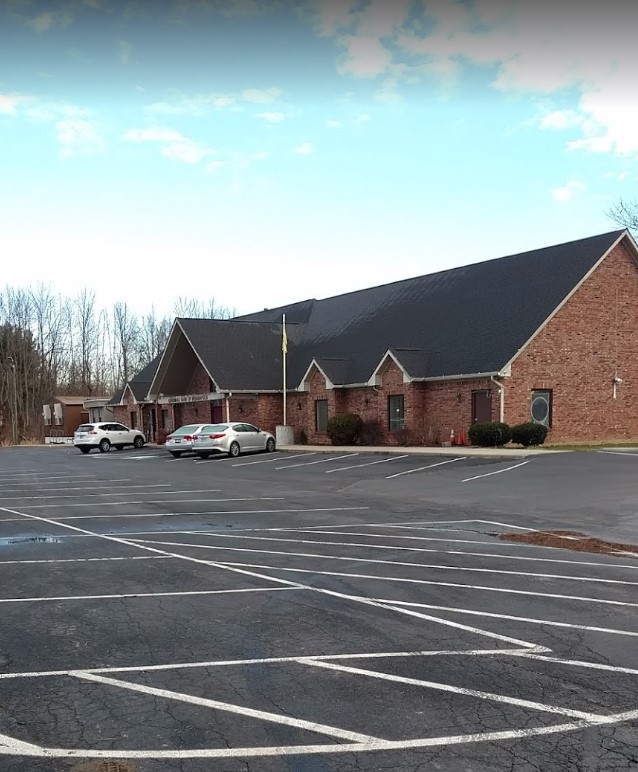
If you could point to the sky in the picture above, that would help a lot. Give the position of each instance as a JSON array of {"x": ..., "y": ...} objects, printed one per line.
[{"x": 262, "y": 151}]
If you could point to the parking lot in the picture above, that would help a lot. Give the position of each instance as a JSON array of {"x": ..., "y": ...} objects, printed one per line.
[{"x": 314, "y": 612}]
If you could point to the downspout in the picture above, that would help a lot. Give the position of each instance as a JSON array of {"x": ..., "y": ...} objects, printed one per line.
[
  {"x": 501, "y": 391},
  {"x": 229, "y": 394}
]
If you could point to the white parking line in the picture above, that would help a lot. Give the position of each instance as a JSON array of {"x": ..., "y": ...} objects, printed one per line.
[
  {"x": 273, "y": 661},
  {"x": 127, "y": 457},
  {"x": 321, "y": 461},
  {"x": 272, "y": 460},
  {"x": 65, "y": 487},
  {"x": 218, "y": 458},
  {"x": 617, "y": 453},
  {"x": 489, "y": 696},
  {"x": 498, "y": 471},
  {"x": 369, "y": 463},
  {"x": 108, "y": 487},
  {"x": 432, "y": 566},
  {"x": 459, "y": 585},
  {"x": 65, "y": 598},
  {"x": 421, "y": 468},
  {"x": 146, "y": 514},
  {"x": 246, "y": 712},
  {"x": 511, "y": 618},
  {"x": 82, "y": 560}
]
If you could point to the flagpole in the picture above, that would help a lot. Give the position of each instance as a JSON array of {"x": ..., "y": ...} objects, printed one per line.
[{"x": 284, "y": 348}]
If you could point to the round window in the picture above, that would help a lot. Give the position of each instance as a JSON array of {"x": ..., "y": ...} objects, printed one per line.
[{"x": 540, "y": 409}]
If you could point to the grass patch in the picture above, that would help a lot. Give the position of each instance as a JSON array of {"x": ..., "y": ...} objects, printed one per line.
[{"x": 570, "y": 540}]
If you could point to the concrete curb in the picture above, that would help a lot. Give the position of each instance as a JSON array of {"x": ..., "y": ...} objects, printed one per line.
[{"x": 459, "y": 450}]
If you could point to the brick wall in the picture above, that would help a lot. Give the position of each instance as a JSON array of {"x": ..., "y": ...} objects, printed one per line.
[{"x": 575, "y": 356}]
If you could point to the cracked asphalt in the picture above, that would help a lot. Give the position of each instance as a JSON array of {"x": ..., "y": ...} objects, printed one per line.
[{"x": 314, "y": 613}]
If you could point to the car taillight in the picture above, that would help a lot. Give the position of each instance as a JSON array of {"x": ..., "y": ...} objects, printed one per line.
[
  {"x": 217, "y": 436},
  {"x": 188, "y": 437},
  {"x": 93, "y": 432},
  {"x": 170, "y": 437}
]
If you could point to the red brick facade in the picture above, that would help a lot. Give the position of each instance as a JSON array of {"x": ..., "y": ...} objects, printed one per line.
[{"x": 576, "y": 356}]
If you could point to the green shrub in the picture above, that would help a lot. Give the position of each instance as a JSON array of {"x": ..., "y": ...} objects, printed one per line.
[
  {"x": 370, "y": 433},
  {"x": 492, "y": 434},
  {"x": 344, "y": 429},
  {"x": 529, "y": 434}
]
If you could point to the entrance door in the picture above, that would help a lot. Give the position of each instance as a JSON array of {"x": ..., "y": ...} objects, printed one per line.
[
  {"x": 217, "y": 412},
  {"x": 177, "y": 416},
  {"x": 481, "y": 406}
]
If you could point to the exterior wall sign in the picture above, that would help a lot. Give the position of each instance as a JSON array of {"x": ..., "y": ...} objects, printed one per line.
[{"x": 210, "y": 397}]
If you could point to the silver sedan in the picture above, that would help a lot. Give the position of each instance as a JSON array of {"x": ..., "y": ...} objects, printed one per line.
[
  {"x": 181, "y": 440},
  {"x": 232, "y": 438}
]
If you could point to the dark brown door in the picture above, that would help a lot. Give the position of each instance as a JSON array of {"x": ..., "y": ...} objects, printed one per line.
[
  {"x": 216, "y": 412},
  {"x": 481, "y": 406},
  {"x": 177, "y": 416}
]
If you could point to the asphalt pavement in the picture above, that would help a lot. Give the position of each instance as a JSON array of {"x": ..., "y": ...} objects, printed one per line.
[{"x": 315, "y": 611}]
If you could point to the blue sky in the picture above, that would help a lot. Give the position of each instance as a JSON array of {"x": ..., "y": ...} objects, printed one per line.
[{"x": 263, "y": 152}]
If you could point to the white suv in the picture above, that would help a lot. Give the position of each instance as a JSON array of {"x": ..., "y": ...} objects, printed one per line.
[{"x": 106, "y": 436}]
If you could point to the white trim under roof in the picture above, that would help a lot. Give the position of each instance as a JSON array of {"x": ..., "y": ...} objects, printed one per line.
[
  {"x": 303, "y": 386},
  {"x": 633, "y": 248},
  {"x": 375, "y": 379},
  {"x": 504, "y": 373}
]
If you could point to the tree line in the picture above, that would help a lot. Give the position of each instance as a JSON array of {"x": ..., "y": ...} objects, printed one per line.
[{"x": 52, "y": 344}]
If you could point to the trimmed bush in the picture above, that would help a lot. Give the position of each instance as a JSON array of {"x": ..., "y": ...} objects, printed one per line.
[
  {"x": 492, "y": 434},
  {"x": 344, "y": 428},
  {"x": 370, "y": 433},
  {"x": 529, "y": 434}
]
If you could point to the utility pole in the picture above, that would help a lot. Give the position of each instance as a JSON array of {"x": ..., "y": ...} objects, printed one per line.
[{"x": 14, "y": 400}]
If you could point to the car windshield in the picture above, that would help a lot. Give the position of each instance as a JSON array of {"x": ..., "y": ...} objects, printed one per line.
[
  {"x": 187, "y": 429},
  {"x": 85, "y": 428}
]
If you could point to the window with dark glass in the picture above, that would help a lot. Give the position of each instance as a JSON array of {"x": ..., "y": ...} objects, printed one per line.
[
  {"x": 541, "y": 407},
  {"x": 396, "y": 414},
  {"x": 321, "y": 415}
]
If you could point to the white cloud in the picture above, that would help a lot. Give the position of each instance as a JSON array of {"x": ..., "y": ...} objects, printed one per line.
[
  {"x": 78, "y": 137},
  {"x": 365, "y": 56},
  {"x": 124, "y": 51},
  {"x": 305, "y": 149},
  {"x": 561, "y": 119},
  {"x": 214, "y": 165},
  {"x": 565, "y": 194},
  {"x": 175, "y": 145},
  {"x": 272, "y": 117},
  {"x": 9, "y": 103},
  {"x": 48, "y": 19},
  {"x": 620, "y": 176},
  {"x": 362, "y": 118},
  {"x": 332, "y": 124},
  {"x": 261, "y": 95}
]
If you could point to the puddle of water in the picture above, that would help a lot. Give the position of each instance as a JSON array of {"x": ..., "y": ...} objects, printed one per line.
[{"x": 30, "y": 540}]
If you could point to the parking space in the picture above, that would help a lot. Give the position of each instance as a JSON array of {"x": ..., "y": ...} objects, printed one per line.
[{"x": 311, "y": 612}]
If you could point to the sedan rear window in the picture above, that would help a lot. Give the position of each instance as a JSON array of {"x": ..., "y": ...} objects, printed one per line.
[
  {"x": 187, "y": 429},
  {"x": 217, "y": 428}
]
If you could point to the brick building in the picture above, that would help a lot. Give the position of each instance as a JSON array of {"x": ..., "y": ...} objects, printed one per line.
[{"x": 549, "y": 335}]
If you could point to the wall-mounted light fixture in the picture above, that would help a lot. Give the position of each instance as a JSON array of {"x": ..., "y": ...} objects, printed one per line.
[
  {"x": 459, "y": 397},
  {"x": 298, "y": 405},
  {"x": 366, "y": 401},
  {"x": 241, "y": 408}
]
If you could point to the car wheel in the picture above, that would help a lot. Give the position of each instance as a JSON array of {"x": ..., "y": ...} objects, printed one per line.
[
  {"x": 270, "y": 445},
  {"x": 104, "y": 446},
  {"x": 138, "y": 442},
  {"x": 234, "y": 450},
  {"x": 118, "y": 447},
  {"x": 85, "y": 450},
  {"x": 175, "y": 454}
]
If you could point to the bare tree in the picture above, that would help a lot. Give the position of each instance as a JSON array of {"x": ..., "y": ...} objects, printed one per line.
[
  {"x": 625, "y": 213},
  {"x": 125, "y": 332},
  {"x": 198, "y": 309}
]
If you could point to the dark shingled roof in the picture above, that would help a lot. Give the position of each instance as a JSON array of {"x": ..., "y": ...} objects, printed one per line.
[
  {"x": 238, "y": 355},
  {"x": 466, "y": 320},
  {"x": 139, "y": 383}
]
